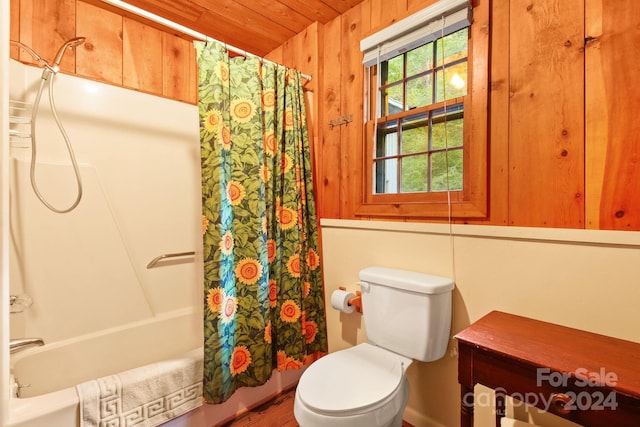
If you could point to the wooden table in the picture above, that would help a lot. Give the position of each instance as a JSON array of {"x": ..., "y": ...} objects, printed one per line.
[{"x": 590, "y": 379}]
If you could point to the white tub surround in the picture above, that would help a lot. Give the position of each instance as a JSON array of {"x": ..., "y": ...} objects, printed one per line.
[{"x": 97, "y": 307}]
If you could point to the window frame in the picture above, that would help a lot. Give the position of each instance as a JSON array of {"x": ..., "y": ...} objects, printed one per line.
[{"x": 472, "y": 200}]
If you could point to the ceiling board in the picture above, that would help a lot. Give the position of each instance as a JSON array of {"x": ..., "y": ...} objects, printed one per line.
[
  {"x": 278, "y": 12},
  {"x": 257, "y": 26}
]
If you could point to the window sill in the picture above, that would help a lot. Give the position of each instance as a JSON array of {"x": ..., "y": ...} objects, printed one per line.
[{"x": 459, "y": 209}]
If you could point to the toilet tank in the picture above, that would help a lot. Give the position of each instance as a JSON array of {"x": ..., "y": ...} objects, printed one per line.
[{"x": 407, "y": 312}]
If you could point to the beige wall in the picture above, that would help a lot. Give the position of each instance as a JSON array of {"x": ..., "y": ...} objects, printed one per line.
[{"x": 585, "y": 279}]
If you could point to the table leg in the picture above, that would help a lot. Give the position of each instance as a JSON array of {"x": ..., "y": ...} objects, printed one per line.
[
  {"x": 500, "y": 407},
  {"x": 466, "y": 406}
]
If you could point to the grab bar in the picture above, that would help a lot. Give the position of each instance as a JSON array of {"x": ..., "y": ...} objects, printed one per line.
[{"x": 154, "y": 261}]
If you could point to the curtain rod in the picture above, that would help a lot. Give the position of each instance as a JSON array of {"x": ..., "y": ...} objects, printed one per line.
[{"x": 188, "y": 31}]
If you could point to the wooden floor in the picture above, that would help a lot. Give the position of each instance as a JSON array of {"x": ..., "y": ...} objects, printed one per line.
[{"x": 275, "y": 413}]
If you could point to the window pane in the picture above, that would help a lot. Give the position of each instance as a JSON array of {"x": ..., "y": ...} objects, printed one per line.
[
  {"x": 455, "y": 169},
  {"x": 387, "y": 141},
  {"x": 455, "y": 47},
  {"x": 395, "y": 69},
  {"x": 455, "y": 77},
  {"x": 414, "y": 176},
  {"x": 415, "y": 134},
  {"x": 394, "y": 99},
  {"x": 420, "y": 59},
  {"x": 439, "y": 178},
  {"x": 451, "y": 82},
  {"x": 420, "y": 91},
  {"x": 449, "y": 132},
  {"x": 385, "y": 175}
]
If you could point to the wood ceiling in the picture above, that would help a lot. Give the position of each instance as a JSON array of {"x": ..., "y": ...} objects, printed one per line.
[{"x": 257, "y": 26}]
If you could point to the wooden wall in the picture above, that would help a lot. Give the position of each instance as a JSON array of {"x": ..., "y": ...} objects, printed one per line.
[
  {"x": 564, "y": 142},
  {"x": 564, "y": 145},
  {"x": 613, "y": 130},
  {"x": 546, "y": 113},
  {"x": 120, "y": 50}
]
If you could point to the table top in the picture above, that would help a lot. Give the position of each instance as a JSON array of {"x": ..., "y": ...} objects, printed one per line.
[{"x": 599, "y": 359}]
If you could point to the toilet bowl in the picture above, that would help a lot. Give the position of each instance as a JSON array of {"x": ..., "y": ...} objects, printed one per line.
[{"x": 362, "y": 386}]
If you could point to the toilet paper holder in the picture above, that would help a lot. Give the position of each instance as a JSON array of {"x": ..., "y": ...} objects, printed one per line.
[{"x": 355, "y": 301}]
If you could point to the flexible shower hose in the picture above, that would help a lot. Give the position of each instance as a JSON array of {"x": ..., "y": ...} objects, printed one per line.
[{"x": 48, "y": 76}]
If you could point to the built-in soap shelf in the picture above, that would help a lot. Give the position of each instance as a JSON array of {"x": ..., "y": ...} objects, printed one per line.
[
  {"x": 19, "y": 303},
  {"x": 19, "y": 123}
]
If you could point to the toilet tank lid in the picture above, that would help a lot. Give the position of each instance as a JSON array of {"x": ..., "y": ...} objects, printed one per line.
[{"x": 407, "y": 280}]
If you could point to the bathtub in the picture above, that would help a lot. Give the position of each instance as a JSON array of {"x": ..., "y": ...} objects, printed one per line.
[{"x": 53, "y": 370}]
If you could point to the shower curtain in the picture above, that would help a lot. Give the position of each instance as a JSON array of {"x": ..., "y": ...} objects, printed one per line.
[{"x": 264, "y": 303}]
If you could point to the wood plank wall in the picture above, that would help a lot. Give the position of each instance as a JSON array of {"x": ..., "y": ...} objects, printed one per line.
[
  {"x": 119, "y": 49},
  {"x": 612, "y": 99},
  {"x": 546, "y": 117},
  {"x": 564, "y": 145}
]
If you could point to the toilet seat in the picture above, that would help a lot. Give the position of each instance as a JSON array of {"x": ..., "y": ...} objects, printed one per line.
[{"x": 352, "y": 381}]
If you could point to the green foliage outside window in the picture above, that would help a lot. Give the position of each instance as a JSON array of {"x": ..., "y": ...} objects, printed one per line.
[{"x": 422, "y": 151}]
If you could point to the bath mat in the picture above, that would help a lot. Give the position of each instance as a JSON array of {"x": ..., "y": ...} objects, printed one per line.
[{"x": 143, "y": 397}]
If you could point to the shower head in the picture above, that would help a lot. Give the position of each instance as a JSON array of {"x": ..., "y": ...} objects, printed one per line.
[{"x": 76, "y": 41}]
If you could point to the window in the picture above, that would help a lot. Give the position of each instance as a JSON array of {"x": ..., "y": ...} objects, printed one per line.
[
  {"x": 425, "y": 141},
  {"x": 419, "y": 136}
]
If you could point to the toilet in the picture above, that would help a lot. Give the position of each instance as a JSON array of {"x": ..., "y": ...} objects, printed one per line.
[{"x": 407, "y": 316}]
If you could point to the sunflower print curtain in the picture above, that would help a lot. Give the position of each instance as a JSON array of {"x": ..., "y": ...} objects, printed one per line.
[{"x": 264, "y": 304}]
